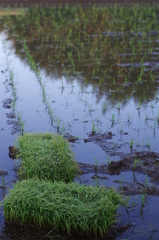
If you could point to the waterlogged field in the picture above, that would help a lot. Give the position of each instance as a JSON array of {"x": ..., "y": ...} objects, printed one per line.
[{"x": 91, "y": 74}]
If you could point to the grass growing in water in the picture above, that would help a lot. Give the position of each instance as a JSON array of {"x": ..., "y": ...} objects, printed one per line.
[
  {"x": 71, "y": 208},
  {"x": 46, "y": 156}
]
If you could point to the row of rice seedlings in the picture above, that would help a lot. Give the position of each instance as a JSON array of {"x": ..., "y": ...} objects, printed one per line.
[
  {"x": 74, "y": 27},
  {"x": 70, "y": 53},
  {"x": 35, "y": 67},
  {"x": 14, "y": 92},
  {"x": 11, "y": 78}
]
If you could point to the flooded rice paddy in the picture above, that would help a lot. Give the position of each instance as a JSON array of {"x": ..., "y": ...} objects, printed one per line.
[{"x": 92, "y": 75}]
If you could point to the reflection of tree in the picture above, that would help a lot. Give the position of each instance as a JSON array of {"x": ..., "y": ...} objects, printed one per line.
[{"x": 91, "y": 43}]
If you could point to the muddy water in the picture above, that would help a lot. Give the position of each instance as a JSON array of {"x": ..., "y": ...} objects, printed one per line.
[{"x": 116, "y": 122}]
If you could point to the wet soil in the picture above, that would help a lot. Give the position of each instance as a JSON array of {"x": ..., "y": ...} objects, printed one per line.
[
  {"x": 145, "y": 163},
  {"x": 125, "y": 187},
  {"x": 27, "y": 232},
  {"x": 137, "y": 162}
]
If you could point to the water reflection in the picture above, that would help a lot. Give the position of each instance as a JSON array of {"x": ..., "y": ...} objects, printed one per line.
[{"x": 107, "y": 49}]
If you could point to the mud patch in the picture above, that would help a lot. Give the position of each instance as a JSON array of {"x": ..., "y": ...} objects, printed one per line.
[
  {"x": 70, "y": 138},
  {"x": 3, "y": 172},
  {"x": 11, "y": 115},
  {"x": 15, "y": 126},
  {"x": 103, "y": 140},
  {"x": 18, "y": 232},
  {"x": 11, "y": 120},
  {"x": 130, "y": 175},
  {"x": 108, "y": 143},
  {"x": 7, "y": 103}
]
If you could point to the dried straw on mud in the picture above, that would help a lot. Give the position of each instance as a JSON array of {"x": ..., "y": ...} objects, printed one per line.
[{"x": 69, "y": 208}]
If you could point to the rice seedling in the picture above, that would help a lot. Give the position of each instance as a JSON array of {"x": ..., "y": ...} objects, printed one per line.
[
  {"x": 13, "y": 103},
  {"x": 104, "y": 106},
  {"x": 63, "y": 128},
  {"x": 58, "y": 123},
  {"x": 100, "y": 82},
  {"x": 139, "y": 104},
  {"x": 153, "y": 229},
  {"x": 46, "y": 156},
  {"x": 136, "y": 161},
  {"x": 121, "y": 129},
  {"x": 121, "y": 181},
  {"x": 90, "y": 107},
  {"x": 158, "y": 118},
  {"x": 43, "y": 91},
  {"x": 3, "y": 182},
  {"x": 11, "y": 77},
  {"x": 109, "y": 160},
  {"x": 146, "y": 182},
  {"x": 67, "y": 208},
  {"x": 114, "y": 144},
  {"x": 154, "y": 127},
  {"x": 126, "y": 79},
  {"x": 98, "y": 120},
  {"x": 129, "y": 117},
  {"x": 96, "y": 162},
  {"x": 93, "y": 128},
  {"x": 146, "y": 116},
  {"x": 148, "y": 144},
  {"x": 69, "y": 127},
  {"x": 131, "y": 143},
  {"x": 143, "y": 198},
  {"x": 20, "y": 122},
  {"x": 113, "y": 116},
  {"x": 119, "y": 106},
  {"x": 62, "y": 84}
]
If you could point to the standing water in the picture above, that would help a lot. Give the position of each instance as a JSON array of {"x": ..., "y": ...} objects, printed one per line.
[{"x": 92, "y": 75}]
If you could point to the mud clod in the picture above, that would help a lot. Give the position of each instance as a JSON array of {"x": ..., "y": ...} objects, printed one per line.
[
  {"x": 11, "y": 115},
  {"x": 93, "y": 137},
  {"x": 13, "y": 152},
  {"x": 115, "y": 167},
  {"x": 7, "y": 103},
  {"x": 3, "y": 172},
  {"x": 143, "y": 163}
]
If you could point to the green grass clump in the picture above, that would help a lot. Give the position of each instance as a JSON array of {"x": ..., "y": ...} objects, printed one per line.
[
  {"x": 46, "y": 156},
  {"x": 67, "y": 208}
]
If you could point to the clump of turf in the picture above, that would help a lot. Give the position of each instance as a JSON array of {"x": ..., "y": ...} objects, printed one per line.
[
  {"x": 71, "y": 208},
  {"x": 46, "y": 156}
]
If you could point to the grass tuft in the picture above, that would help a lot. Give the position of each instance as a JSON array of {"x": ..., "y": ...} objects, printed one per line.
[
  {"x": 46, "y": 156},
  {"x": 67, "y": 208}
]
